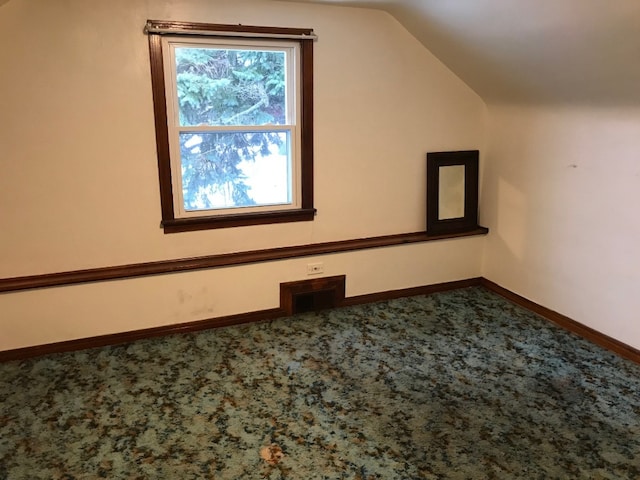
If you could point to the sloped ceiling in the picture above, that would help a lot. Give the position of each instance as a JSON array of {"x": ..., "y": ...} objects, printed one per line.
[
  {"x": 530, "y": 51},
  {"x": 584, "y": 52}
]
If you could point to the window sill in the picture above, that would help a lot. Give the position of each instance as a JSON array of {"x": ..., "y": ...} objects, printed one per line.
[{"x": 237, "y": 220}]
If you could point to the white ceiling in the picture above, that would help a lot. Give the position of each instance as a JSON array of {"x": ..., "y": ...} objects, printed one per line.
[{"x": 530, "y": 51}]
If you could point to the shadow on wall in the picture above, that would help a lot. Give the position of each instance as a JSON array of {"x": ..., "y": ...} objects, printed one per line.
[{"x": 560, "y": 190}]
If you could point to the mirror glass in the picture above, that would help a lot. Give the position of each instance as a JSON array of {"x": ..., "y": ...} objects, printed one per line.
[{"x": 451, "y": 192}]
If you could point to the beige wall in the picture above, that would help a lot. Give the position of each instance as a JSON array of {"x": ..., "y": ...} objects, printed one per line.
[
  {"x": 78, "y": 175},
  {"x": 561, "y": 192}
]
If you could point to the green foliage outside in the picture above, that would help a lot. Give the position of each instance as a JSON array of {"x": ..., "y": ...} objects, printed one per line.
[{"x": 226, "y": 88}]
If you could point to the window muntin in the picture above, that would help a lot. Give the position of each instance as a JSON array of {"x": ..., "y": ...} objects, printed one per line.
[{"x": 232, "y": 122}]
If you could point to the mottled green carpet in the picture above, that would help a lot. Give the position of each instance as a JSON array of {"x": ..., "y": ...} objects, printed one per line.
[{"x": 460, "y": 385}]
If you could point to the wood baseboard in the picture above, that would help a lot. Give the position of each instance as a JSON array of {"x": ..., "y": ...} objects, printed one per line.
[
  {"x": 256, "y": 316},
  {"x": 411, "y": 292},
  {"x": 588, "y": 333},
  {"x": 609, "y": 343},
  {"x": 128, "y": 337}
]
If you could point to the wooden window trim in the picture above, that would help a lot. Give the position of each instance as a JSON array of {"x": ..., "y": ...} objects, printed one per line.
[{"x": 170, "y": 223}]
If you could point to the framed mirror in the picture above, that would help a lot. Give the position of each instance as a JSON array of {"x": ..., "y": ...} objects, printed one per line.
[{"x": 452, "y": 192}]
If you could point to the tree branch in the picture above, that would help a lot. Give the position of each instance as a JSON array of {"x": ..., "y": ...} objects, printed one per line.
[{"x": 245, "y": 112}]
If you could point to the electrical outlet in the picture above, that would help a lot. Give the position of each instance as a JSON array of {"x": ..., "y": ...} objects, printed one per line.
[{"x": 315, "y": 268}]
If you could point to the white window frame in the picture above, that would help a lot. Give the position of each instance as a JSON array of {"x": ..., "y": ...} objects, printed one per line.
[{"x": 292, "y": 78}]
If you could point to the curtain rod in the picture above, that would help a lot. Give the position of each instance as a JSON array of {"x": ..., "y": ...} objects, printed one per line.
[{"x": 158, "y": 30}]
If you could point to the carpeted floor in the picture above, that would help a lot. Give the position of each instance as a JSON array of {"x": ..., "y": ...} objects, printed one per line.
[{"x": 459, "y": 385}]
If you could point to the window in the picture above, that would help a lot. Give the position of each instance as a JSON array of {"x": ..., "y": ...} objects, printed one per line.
[{"x": 234, "y": 124}]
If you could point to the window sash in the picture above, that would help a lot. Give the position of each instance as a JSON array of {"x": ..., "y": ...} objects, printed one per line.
[{"x": 293, "y": 175}]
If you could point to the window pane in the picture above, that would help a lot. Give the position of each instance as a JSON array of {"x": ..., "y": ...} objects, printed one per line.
[
  {"x": 235, "y": 169},
  {"x": 230, "y": 87}
]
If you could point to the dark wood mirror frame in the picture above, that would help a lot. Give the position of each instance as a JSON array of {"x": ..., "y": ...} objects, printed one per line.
[{"x": 469, "y": 221}]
